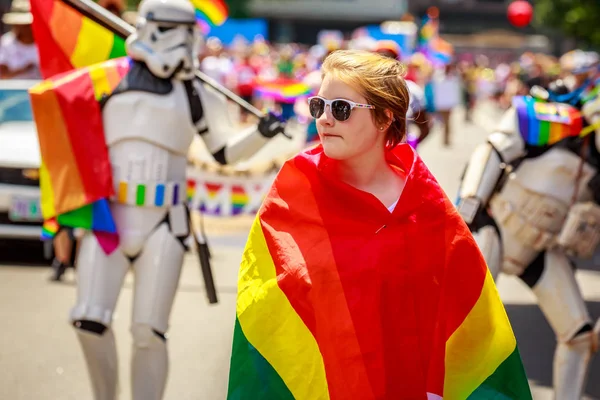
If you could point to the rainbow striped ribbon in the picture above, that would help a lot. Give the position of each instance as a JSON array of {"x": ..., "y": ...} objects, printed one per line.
[{"x": 151, "y": 194}]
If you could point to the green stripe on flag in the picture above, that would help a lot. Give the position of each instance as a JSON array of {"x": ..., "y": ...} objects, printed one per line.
[
  {"x": 78, "y": 218},
  {"x": 118, "y": 48},
  {"x": 508, "y": 382},
  {"x": 251, "y": 377},
  {"x": 544, "y": 133}
]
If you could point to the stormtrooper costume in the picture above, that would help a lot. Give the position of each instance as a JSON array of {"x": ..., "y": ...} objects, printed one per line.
[
  {"x": 530, "y": 209},
  {"x": 150, "y": 121}
]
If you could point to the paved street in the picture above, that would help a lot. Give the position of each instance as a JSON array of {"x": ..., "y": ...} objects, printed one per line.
[{"x": 41, "y": 360}]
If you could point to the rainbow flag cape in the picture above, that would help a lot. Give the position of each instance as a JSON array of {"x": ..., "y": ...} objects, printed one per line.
[
  {"x": 336, "y": 303},
  {"x": 543, "y": 124},
  {"x": 66, "y": 40},
  {"x": 76, "y": 175}
]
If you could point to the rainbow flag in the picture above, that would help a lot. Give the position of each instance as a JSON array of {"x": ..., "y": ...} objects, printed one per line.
[
  {"x": 75, "y": 175},
  {"x": 66, "y": 40},
  {"x": 282, "y": 90},
  {"x": 543, "y": 124},
  {"x": 210, "y": 13},
  {"x": 429, "y": 30},
  {"x": 336, "y": 303},
  {"x": 438, "y": 51}
]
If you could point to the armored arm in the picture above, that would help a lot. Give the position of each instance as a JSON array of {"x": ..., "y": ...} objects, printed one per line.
[
  {"x": 486, "y": 166},
  {"x": 215, "y": 129}
]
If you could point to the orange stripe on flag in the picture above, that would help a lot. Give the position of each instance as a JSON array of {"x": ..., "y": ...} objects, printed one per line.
[
  {"x": 67, "y": 186},
  {"x": 65, "y": 25}
]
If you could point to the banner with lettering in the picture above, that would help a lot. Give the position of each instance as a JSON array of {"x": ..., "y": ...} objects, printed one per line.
[{"x": 224, "y": 195}]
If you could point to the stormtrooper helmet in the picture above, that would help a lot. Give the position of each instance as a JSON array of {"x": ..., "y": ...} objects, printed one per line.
[{"x": 166, "y": 38}]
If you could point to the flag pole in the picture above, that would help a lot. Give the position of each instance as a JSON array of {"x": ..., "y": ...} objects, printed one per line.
[{"x": 119, "y": 27}]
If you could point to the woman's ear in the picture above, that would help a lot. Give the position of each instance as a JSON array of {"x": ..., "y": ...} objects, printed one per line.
[{"x": 390, "y": 118}]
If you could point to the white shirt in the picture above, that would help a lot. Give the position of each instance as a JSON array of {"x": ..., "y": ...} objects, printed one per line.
[
  {"x": 217, "y": 67},
  {"x": 446, "y": 91},
  {"x": 393, "y": 206},
  {"x": 16, "y": 55},
  {"x": 416, "y": 99}
]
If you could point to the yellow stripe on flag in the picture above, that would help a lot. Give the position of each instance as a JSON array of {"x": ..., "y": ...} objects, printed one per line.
[
  {"x": 94, "y": 44},
  {"x": 100, "y": 80},
  {"x": 480, "y": 344},
  {"x": 273, "y": 327},
  {"x": 46, "y": 194}
]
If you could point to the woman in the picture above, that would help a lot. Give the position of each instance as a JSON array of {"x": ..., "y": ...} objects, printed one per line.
[
  {"x": 359, "y": 279},
  {"x": 65, "y": 248}
]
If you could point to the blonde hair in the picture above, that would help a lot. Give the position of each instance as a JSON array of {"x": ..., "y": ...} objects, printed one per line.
[{"x": 380, "y": 81}]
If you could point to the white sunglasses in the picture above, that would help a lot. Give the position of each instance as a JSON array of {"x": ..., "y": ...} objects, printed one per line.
[{"x": 340, "y": 108}]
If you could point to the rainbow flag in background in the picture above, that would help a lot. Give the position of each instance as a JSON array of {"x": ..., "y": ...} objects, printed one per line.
[
  {"x": 429, "y": 30},
  {"x": 66, "y": 40},
  {"x": 283, "y": 90},
  {"x": 210, "y": 13},
  {"x": 543, "y": 124},
  {"x": 75, "y": 175},
  {"x": 435, "y": 49},
  {"x": 334, "y": 303}
]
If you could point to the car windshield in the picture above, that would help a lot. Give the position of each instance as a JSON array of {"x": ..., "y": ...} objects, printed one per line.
[{"x": 15, "y": 105}]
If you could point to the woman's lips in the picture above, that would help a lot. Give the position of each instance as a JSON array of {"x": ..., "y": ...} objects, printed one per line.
[{"x": 330, "y": 135}]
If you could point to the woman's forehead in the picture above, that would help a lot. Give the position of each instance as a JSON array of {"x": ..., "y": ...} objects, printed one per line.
[{"x": 335, "y": 88}]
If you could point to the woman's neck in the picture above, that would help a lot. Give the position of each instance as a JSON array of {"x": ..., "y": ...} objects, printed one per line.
[{"x": 364, "y": 171}]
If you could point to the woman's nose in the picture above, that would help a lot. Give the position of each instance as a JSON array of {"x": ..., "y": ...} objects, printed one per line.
[{"x": 326, "y": 119}]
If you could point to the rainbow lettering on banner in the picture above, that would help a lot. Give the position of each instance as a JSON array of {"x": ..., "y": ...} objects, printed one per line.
[
  {"x": 67, "y": 40},
  {"x": 544, "y": 124},
  {"x": 75, "y": 173},
  {"x": 239, "y": 199},
  {"x": 229, "y": 197}
]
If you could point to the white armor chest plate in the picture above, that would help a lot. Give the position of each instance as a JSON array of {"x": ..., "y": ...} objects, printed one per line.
[
  {"x": 554, "y": 174},
  {"x": 163, "y": 120}
]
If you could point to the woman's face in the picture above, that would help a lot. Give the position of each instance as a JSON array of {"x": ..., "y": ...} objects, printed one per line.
[{"x": 353, "y": 137}]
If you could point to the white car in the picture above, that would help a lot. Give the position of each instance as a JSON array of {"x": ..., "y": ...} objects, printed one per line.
[{"x": 20, "y": 214}]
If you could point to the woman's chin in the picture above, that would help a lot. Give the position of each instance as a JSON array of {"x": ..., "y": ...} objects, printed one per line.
[{"x": 334, "y": 151}]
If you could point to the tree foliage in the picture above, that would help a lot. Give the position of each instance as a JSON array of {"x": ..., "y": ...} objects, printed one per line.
[
  {"x": 238, "y": 8},
  {"x": 578, "y": 19}
]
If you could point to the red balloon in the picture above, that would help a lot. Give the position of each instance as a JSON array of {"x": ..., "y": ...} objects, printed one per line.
[{"x": 520, "y": 13}]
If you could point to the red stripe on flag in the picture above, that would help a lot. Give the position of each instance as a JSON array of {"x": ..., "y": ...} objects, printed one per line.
[
  {"x": 82, "y": 113},
  {"x": 312, "y": 284},
  {"x": 54, "y": 141},
  {"x": 52, "y": 58}
]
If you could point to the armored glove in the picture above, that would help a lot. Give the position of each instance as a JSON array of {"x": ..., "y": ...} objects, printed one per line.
[{"x": 270, "y": 125}]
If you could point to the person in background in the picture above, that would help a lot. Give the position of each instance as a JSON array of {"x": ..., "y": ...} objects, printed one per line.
[
  {"x": 114, "y": 6},
  {"x": 447, "y": 95},
  {"x": 245, "y": 79},
  {"x": 65, "y": 247},
  {"x": 19, "y": 57}
]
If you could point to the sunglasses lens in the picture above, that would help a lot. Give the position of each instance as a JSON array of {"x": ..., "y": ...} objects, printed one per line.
[
  {"x": 316, "y": 107},
  {"x": 340, "y": 110}
]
